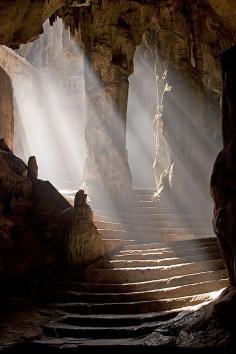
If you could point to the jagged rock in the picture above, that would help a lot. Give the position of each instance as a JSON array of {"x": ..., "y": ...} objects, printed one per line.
[
  {"x": 81, "y": 239},
  {"x": 32, "y": 171},
  {"x": 4, "y": 146}
]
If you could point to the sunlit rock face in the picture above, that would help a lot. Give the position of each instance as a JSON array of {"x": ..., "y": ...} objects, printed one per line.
[
  {"x": 213, "y": 325},
  {"x": 82, "y": 242},
  {"x": 6, "y": 108},
  {"x": 185, "y": 38},
  {"x": 188, "y": 54}
]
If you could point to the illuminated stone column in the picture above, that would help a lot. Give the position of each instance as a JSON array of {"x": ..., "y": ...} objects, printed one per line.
[
  {"x": 106, "y": 172},
  {"x": 109, "y": 32},
  {"x": 187, "y": 145}
]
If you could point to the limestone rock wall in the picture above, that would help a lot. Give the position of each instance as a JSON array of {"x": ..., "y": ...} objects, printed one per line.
[
  {"x": 6, "y": 108},
  {"x": 223, "y": 175},
  {"x": 187, "y": 38}
]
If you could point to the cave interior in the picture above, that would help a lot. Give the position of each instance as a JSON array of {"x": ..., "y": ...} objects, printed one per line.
[{"x": 117, "y": 176}]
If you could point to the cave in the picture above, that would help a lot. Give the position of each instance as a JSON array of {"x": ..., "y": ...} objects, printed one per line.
[{"x": 117, "y": 176}]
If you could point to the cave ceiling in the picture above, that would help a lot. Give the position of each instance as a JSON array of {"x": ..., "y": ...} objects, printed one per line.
[{"x": 21, "y": 20}]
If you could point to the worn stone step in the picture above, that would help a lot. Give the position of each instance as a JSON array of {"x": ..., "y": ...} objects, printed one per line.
[
  {"x": 160, "y": 262},
  {"x": 114, "y": 245},
  {"x": 152, "y": 219},
  {"x": 125, "y": 275},
  {"x": 168, "y": 247},
  {"x": 182, "y": 237},
  {"x": 157, "y": 294},
  {"x": 160, "y": 235},
  {"x": 134, "y": 215},
  {"x": 63, "y": 330},
  {"x": 152, "y": 226},
  {"x": 153, "y": 254},
  {"x": 174, "y": 244},
  {"x": 54, "y": 345},
  {"x": 147, "y": 285},
  {"x": 179, "y": 246},
  {"x": 145, "y": 191},
  {"x": 134, "y": 307},
  {"x": 115, "y": 320},
  {"x": 144, "y": 197}
]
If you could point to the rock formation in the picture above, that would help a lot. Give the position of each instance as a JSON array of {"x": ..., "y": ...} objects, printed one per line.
[
  {"x": 213, "y": 325},
  {"x": 81, "y": 240},
  {"x": 223, "y": 175},
  {"x": 6, "y": 108},
  {"x": 185, "y": 58},
  {"x": 185, "y": 85},
  {"x": 30, "y": 212}
]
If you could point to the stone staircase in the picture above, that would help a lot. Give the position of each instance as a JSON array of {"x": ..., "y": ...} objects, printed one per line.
[{"x": 165, "y": 264}]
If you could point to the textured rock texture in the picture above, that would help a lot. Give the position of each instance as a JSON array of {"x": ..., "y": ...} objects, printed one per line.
[
  {"x": 82, "y": 242},
  {"x": 212, "y": 327},
  {"x": 30, "y": 212},
  {"x": 6, "y": 108},
  {"x": 187, "y": 61},
  {"x": 223, "y": 175},
  {"x": 188, "y": 85}
]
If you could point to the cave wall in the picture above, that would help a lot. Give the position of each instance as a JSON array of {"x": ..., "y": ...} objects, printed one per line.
[
  {"x": 6, "y": 108},
  {"x": 111, "y": 33},
  {"x": 187, "y": 122},
  {"x": 188, "y": 116}
]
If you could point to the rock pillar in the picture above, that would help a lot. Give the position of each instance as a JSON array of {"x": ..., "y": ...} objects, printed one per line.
[
  {"x": 106, "y": 172},
  {"x": 184, "y": 142}
]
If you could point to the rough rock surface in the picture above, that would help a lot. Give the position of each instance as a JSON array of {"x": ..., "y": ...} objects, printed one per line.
[
  {"x": 110, "y": 34},
  {"x": 82, "y": 241},
  {"x": 223, "y": 175},
  {"x": 6, "y": 108},
  {"x": 30, "y": 211},
  {"x": 213, "y": 326},
  {"x": 187, "y": 123}
]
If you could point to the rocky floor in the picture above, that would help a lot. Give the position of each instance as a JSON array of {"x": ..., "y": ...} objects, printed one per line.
[{"x": 21, "y": 321}]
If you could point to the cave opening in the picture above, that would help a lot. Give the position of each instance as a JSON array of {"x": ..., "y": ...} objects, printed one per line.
[
  {"x": 49, "y": 105},
  {"x": 142, "y": 102}
]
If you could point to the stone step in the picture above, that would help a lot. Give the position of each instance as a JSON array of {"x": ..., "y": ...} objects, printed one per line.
[
  {"x": 147, "y": 218},
  {"x": 156, "y": 232},
  {"x": 148, "y": 202},
  {"x": 54, "y": 345},
  {"x": 126, "y": 275},
  {"x": 151, "y": 237},
  {"x": 160, "y": 262},
  {"x": 147, "y": 285},
  {"x": 143, "y": 197},
  {"x": 64, "y": 330},
  {"x": 159, "y": 254},
  {"x": 134, "y": 307},
  {"x": 115, "y": 320},
  {"x": 157, "y": 294},
  {"x": 114, "y": 245},
  {"x": 202, "y": 242},
  {"x": 152, "y": 225},
  {"x": 144, "y": 191},
  {"x": 140, "y": 214}
]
